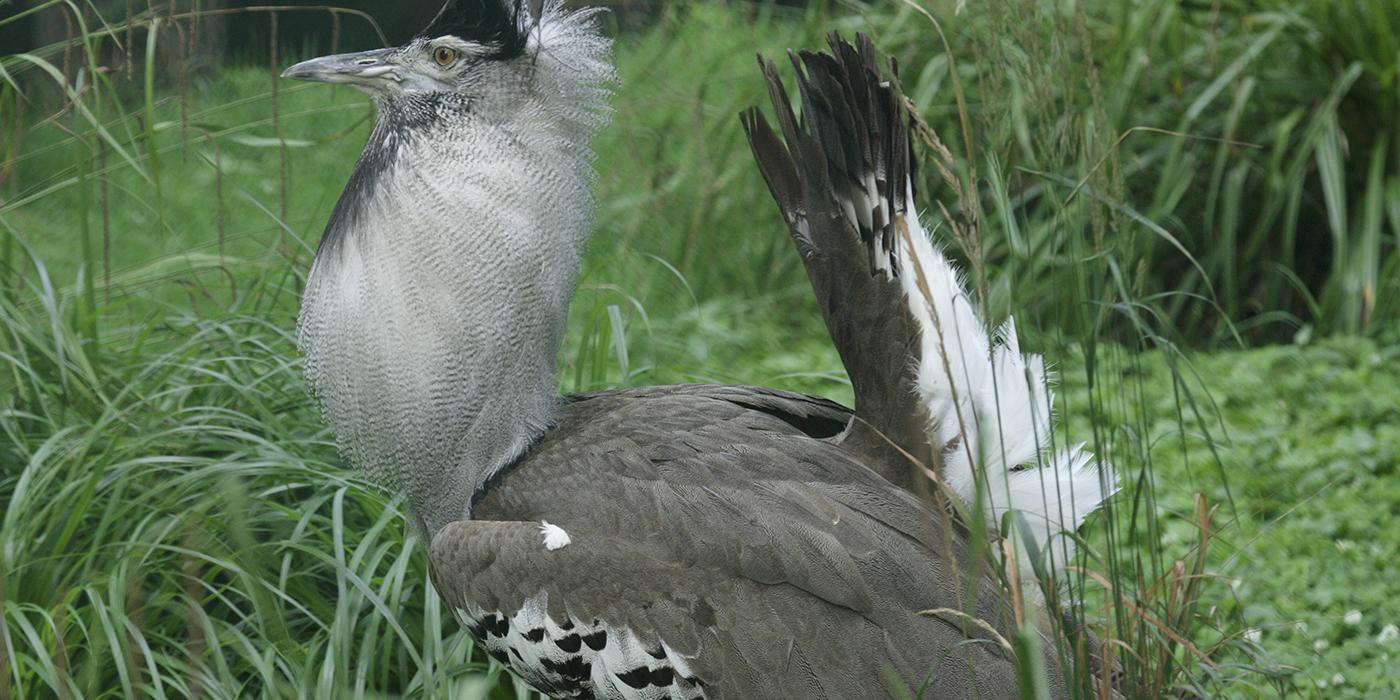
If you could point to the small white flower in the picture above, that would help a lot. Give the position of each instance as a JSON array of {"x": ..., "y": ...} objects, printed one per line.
[
  {"x": 1236, "y": 583},
  {"x": 1301, "y": 627},
  {"x": 1321, "y": 645},
  {"x": 1388, "y": 634},
  {"x": 1344, "y": 545},
  {"x": 1322, "y": 682},
  {"x": 1338, "y": 679},
  {"x": 1253, "y": 635},
  {"x": 554, "y": 536},
  {"x": 1353, "y": 617}
]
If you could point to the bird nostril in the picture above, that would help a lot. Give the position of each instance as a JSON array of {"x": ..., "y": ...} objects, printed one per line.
[{"x": 366, "y": 62}]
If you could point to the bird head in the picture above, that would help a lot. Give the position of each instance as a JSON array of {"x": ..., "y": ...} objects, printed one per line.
[{"x": 463, "y": 49}]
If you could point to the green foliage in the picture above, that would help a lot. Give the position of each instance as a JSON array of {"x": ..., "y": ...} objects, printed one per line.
[
  {"x": 1308, "y": 437},
  {"x": 175, "y": 523},
  {"x": 1234, "y": 162}
]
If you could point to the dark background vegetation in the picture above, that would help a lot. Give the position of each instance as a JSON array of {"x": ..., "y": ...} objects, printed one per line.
[
  {"x": 229, "y": 32},
  {"x": 1280, "y": 183}
]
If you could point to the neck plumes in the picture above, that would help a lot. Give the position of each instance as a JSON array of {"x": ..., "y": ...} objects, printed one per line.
[{"x": 437, "y": 302}]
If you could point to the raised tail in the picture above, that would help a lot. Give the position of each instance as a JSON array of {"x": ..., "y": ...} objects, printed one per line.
[{"x": 934, "y": 389}]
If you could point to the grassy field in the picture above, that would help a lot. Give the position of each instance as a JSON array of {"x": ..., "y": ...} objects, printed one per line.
[{"x": 1150, "y": 188}]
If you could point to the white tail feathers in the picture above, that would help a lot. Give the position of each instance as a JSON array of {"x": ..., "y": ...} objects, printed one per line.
[
  {"x": 989, "y": 405},
  {"x": 990, "y": 409}
]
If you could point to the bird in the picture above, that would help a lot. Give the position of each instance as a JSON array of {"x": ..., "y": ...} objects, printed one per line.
[{"x": 695, "y": 541}]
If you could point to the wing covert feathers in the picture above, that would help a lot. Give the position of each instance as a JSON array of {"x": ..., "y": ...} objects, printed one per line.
[
  {"x": 929, "y": 376},
  {"x": 718, "y": 549}
]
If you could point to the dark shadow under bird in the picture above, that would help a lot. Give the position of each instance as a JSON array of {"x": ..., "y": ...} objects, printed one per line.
[{"x": 672, "y": 541}]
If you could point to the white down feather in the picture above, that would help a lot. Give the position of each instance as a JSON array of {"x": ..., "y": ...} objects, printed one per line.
[{"x": 990, "y": 409}]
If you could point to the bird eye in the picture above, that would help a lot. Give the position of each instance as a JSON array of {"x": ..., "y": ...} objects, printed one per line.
[{"x": 444, "y": 56}]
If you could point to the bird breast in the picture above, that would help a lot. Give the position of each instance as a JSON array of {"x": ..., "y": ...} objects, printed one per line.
[{"x": 435, "y": 307}]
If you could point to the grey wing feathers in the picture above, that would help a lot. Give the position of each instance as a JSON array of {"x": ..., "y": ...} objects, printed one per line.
[
  {"x": 744, "y": 557},
  {"x": 842, "y": 177}
]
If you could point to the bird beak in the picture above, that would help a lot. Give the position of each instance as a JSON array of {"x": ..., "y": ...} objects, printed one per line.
[{"x": 363, "y": 69}]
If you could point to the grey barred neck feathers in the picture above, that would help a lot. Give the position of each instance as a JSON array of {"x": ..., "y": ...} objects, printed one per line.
[
  {"x": 396, "y": 124},
  {"x": 437, "y": 301}
]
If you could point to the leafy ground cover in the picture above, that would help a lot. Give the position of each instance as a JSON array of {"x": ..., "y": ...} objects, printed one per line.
[{"x": 1306, "y": 448}]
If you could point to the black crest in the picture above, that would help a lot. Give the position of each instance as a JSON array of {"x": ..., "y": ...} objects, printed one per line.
[{"x": 499, "y": 24}]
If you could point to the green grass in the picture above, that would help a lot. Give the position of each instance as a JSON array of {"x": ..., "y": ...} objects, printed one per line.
[
  {"x": 1310, "y": 439},
  {"x": 177, "y": 522}
]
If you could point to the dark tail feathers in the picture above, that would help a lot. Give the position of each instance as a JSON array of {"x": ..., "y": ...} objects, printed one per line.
[
  {"x": 935, "y": 387},
  {"x": 843, "y": 182}
]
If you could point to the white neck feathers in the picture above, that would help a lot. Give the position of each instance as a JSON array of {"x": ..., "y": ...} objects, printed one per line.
[{"x": 437, "y": 302}]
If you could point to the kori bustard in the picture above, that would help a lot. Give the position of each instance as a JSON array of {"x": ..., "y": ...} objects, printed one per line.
[{"x": 670, "y": 541}]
